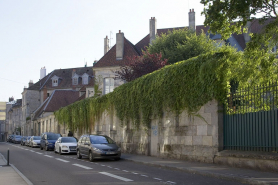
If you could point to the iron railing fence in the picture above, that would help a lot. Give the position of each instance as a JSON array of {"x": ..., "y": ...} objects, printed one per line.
[{"x": 251, "y": 119}]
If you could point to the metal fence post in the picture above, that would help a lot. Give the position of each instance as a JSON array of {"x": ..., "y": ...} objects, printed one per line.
[{"x": 8, "y": 157}]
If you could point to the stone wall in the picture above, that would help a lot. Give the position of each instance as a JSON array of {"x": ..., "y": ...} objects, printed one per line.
[{"x": 187, "y": 137}]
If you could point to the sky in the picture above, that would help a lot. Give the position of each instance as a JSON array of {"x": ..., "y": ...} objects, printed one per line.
[{"x": 63, "y": 34}]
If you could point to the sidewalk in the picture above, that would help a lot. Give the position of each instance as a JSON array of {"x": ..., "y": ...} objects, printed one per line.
[
  {"x": 212, "y": 170},
  {"x": 10, "y": 174}
]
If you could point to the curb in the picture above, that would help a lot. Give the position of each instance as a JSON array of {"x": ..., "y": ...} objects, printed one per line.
[
  {"x": 204, "y": 173},
  {"x": 18, "y": 172}
]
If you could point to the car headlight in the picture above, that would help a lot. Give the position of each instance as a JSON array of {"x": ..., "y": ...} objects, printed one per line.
[
  {"x": 119, "y": 149},
  {"x": 97, "y": 150},
  {"x": 64, "y": 147}
]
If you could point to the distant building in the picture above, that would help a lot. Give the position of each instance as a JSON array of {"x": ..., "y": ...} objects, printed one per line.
[{"x": 78, "y": 79}]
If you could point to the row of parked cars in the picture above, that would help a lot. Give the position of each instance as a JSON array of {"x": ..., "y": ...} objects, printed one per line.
[{"x": 91, "y": 146}]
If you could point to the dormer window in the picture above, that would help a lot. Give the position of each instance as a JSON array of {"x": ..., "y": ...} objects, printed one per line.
[
  {"x": 55, "y": 81},
  {"x": 85, "y": 79},
  {"x": 75, "y": 79}
]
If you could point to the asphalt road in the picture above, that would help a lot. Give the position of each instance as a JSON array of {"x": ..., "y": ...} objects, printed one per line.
[{"x": 46, "y": 167}]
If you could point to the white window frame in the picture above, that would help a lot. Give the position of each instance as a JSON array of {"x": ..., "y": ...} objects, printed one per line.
[
  {"x": 85, "y": 79},
  {"x": 109, "y": 84}
]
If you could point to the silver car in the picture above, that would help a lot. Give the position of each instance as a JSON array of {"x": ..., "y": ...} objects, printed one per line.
[
  {"x": 35, "y": 141},
  {"x": 27, "y": 140},
  {"x": 97, "y": 147},
  {"x": 65, "y": 145}
]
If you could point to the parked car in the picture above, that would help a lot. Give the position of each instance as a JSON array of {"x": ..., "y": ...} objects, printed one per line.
[
  {"x": 10, "y": 138},
  {"x": 97, "y": 147},
  {"x": 48, "y": 140},
  {"x": 23, "y": 139},
  {"x": 17, "y": 139},
  {"x": 27, "y": 141},
  {"x": 65, "y": 145},
  {"x": 35, "y": 141}
]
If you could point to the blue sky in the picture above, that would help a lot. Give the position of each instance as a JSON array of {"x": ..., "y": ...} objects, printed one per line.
[{"x": 63, "y": 33}]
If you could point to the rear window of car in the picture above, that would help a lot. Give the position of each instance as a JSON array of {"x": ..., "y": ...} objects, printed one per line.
[
  {"x": 53, "y": 136},
  {"x": 69, "y": 140},
  {"x": 101, "y": 140}
]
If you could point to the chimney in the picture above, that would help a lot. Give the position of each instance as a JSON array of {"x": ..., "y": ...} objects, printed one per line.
[
  {"x": 191, "y": 17},
  {"x": 247, "y": 36},
  {"x": 73, "y": 72},
  {"x": 31, "y": 83},
  {"x": 153, "y": 29},
  {"x": 11, "y": 99},
  {"x": 106, "y": 44},
  {"x": 119, "y": 45},
  {"x": 42, "y": 73}
]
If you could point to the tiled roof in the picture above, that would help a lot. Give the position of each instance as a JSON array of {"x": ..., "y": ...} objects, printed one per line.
[
  {"x": 83, "y": 96},
  {"x": 109, "y": 59},
  {"x": 65, "y": 76},
  {"x": 58, "y": 99},
  {"x": 146, "y": 40}
]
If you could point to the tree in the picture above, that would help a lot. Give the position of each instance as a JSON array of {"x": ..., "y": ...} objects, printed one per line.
[
  {"x": 230, "y": 16},
  {"x": 140, "y": 65},
  {"x": 97, "y": 86},
  {"x": 181, "y": 44}
]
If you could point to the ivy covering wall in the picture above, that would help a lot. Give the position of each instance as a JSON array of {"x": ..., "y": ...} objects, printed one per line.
[{"x": 186, "y": 85}]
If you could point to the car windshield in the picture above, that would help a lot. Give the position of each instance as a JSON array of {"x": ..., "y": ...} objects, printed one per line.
[
  {"x": 37, "y": 138},
  {"x": 53, "y": 136},
  {"x": 69, "y": 140},
  {"x": 101, "y": 140}
]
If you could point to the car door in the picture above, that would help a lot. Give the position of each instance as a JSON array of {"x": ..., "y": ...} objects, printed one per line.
[
  {"x": 87, "y": 145},
  {"x": 43, "y": 141},
  {"x": 81, "y": 145}
]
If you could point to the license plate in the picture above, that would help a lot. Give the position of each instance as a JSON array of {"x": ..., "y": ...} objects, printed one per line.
[{"x": 110, "y": 152}]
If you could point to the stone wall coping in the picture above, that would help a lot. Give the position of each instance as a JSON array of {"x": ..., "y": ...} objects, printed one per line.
[{"x": 249, "y": 154}]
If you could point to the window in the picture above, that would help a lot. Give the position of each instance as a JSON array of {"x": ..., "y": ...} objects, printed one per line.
[
  {"x": 85, "y": 78},
  {"x": 55, "y": 83},
  {"x": 109, "y": 85},
  {"x": 55, "y": 80}
]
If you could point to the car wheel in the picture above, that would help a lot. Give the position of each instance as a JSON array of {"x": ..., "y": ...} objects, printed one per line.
[
  {"x": 91, "y": 156},
  {"x": 60, "y": 152},
  {"x": 79, "y": 156},
  {"x": 117, "y": 159}
]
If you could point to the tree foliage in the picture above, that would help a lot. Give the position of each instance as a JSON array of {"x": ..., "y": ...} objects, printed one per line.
[
  {"x": 181, "y": 44},
  {"x": 231, "y": 16},
  {"x": 138, "y": 66},
  {"x": 185, "y": 85}
]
